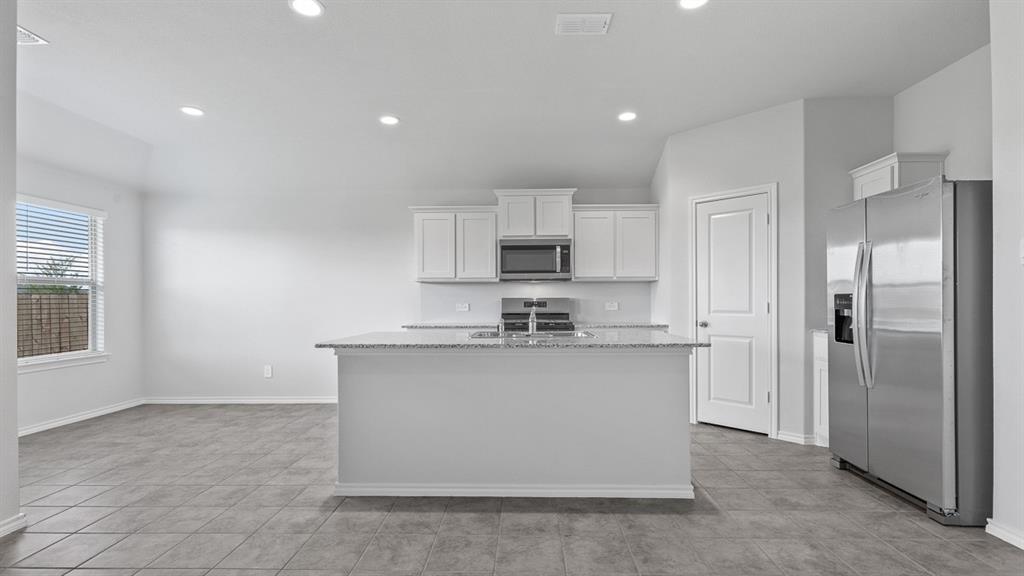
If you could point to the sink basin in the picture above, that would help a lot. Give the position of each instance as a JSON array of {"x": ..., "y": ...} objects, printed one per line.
[{"x": 528, "y": 336}]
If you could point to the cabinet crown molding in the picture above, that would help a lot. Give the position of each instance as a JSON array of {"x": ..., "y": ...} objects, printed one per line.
[
  {"x": 453, "y": 209},
  {"x": 612, "y": 207},
  {"x": 535, "y": 192},
  {"x": 895, "y": 158}
]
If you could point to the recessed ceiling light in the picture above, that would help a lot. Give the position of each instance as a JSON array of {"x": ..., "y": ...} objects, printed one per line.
[
  {"x": 310, "y": 8},
  {"x": 389, "y": 120},
  {"x": 192, "y": 111},
  {"x": 627, "y": 116},
  {"x": 692, "y": 4}
]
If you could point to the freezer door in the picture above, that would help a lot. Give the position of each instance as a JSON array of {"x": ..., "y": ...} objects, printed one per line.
[
  {"x": 905, "y": 344},
  {"x": 847, "y": 401}
]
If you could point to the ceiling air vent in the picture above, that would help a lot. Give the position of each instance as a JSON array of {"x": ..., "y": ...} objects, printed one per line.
[
  {"x": 582, "y": 24},
  {"x": 26, "y": 38}
]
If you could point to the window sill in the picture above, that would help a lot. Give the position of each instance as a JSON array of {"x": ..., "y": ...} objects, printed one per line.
[{"x": 56, "y": 361}]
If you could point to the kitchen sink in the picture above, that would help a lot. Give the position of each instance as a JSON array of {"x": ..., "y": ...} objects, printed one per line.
[{"x": 528, "y": 336}]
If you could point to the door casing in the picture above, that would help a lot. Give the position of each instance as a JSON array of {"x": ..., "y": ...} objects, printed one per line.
[{"x": 771, "y": 190}]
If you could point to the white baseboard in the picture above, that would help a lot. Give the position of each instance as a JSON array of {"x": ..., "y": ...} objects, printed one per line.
[
  {"x": 677, "y": 491},
  {"x": 242, "y": 400},
  {"x": 32, "y": 429},
  {"x": 821, "y": 440},
  {"x": 803, "y": 439},
  {"x": 1006, "y": 533},
  {"x": 86, "y": 415},
  {"x": 13, "y": 524}
]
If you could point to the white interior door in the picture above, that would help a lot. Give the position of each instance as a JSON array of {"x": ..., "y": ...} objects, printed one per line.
[{"x": 732, "y": 295}]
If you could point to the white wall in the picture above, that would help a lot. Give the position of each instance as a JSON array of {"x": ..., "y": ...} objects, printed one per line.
[
  {"x": 68, "y": 158},
  {"x": 50, "y": 396},
  {"x": 234, "y": 283},
  {"x": 950, "y": 111},
  {"x": 808, "y": 147},
  {"x": 9, "y": 515},
  {"x": 757, "y": 148},
  {"x": 1008, "y": 293},
  {"x": 840, "y": 134},
  {"x": 79, "y": 144}
]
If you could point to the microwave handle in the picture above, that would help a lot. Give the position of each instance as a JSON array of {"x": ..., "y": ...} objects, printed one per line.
[{"x": 558, "y": 258}]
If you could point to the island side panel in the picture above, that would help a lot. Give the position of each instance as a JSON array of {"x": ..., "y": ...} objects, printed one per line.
[{"x": 546, "y": 423}]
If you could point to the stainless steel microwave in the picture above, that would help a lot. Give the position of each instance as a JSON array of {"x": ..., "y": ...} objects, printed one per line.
[{"x": 535, "y": 259}]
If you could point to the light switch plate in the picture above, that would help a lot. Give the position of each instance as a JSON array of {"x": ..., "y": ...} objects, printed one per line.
[
  {"x": 462, "y": 307},
  {"x": 611, "y": 306},
  {"x": 268, "y": 371}
]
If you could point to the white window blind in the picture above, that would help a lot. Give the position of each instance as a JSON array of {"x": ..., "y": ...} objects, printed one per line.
[{"x": 60, "y": 279}]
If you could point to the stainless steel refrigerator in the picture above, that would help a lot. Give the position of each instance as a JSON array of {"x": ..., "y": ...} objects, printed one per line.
[{"x": 910, "y": 344}]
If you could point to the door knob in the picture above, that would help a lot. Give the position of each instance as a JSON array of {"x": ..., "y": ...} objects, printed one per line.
[{"x": 703, "y": 324}]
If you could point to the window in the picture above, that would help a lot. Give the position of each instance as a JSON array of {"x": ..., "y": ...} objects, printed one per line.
[{"x": 60, "y": 280}]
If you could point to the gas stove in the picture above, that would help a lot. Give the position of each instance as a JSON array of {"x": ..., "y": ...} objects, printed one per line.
[{"x": 553, "y": 314}]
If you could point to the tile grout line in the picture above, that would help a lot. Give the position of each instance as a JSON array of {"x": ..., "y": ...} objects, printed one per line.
[
  {"x": 373, "y": 537},
  {"x": 437, "y": 534},
  {"x": 900, "y": 553},
  {"x": 80, "y": 564},
  {"x": 629, "y": 547},
  {"x": 497, "y": 539},
  {"x": 561, "y": 541},
  {"x": 779, "y": 567}
]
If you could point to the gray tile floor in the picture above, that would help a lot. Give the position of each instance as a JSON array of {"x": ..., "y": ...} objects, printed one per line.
[{"x": 246, "y": 491}]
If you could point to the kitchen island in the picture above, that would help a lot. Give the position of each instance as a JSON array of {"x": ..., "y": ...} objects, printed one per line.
[{"x": 438, "y": 413}]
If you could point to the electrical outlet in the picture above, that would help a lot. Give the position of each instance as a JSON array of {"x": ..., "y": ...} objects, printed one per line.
[
  {"x": 268, "y": 371},
  {"x": 462, "y": 307},
  {"x": 611, "y": 306}
]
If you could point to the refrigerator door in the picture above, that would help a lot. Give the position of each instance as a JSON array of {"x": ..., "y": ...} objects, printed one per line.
[
  {"x": 847, "y": 404},
  {"x": 906, "y": 404}
]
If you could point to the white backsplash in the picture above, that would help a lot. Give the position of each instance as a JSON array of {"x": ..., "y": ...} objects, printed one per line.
[{"x": 438, "y": 301}]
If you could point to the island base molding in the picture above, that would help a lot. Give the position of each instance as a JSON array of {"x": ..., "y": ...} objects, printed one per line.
[{"x": 515, "y": 491}]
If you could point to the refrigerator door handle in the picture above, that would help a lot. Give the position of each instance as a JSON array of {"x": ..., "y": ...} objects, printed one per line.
[
  {"x": 858, "y": 360},
  {"x": 862, "y": 318}
]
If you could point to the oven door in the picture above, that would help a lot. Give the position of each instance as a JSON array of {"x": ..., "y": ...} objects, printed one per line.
[{"x": 539, "y": 259}]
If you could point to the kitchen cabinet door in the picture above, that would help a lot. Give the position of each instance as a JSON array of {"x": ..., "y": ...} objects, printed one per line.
[
  {"x": 554, "y": 215},
  {"x": 475, "y": 246},
  {"x": 594, "y": 244},
  {"x": 517, "y": 216},
  {"x": 636, "y": 245},
  {"x": 435, "y": 245}
]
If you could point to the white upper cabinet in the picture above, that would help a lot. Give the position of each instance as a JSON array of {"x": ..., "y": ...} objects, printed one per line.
[
  {"x": 517, "y": 216},
  {"x": 594, "y": 244},
  {"x": 636, "y": 245},
  {"x": 895, "y": 170},
  {"x": 435, "y": 245},
  {"x": 456, "y": 246},
  {"x": 554, "y": 215},
  {"x": 535, "y": 213},
  {"x": 615, "y": 242},
  {"x": 475, "y": 246},
  {"x": 611, "y": 242}
]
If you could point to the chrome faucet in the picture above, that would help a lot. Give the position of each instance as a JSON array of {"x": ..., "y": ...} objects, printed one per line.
[{"x": 533, "y": 321}]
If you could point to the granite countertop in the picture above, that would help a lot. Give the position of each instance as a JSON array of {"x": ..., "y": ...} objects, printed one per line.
[
  {"x": 624, "y": 338},
  {"x": 579, "y": 326}
]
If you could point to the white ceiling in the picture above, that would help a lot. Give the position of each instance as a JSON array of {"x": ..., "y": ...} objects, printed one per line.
[{"x": 488, "y": 95}]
